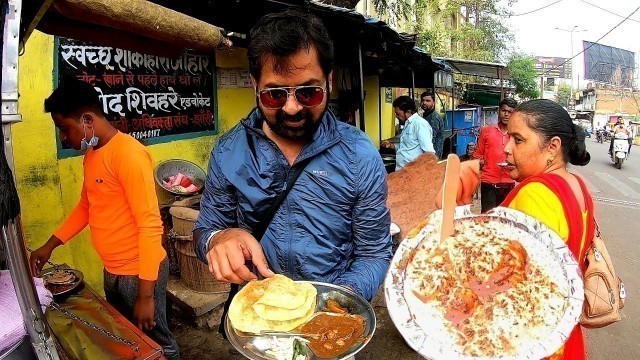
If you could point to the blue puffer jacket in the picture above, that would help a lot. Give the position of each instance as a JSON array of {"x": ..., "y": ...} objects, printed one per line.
[{"x": 334, "y": 224}]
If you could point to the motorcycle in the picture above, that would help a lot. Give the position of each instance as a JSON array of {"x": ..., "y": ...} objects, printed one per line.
[
  {"x": 588, "y": 132},
  {"x": 600, "y": 135},
  {"x": 620, "y": 149}
]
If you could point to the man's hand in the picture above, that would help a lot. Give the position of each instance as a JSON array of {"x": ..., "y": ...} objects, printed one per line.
[
  {"x": 229, "y": 251},
  {"x": 143, "y": 311},
  {"x": 42, "y": 254},
  {"x": 144, "y": 308},
  {"x": 469, "y": 181},
  {"x": 387, "y": 145}
]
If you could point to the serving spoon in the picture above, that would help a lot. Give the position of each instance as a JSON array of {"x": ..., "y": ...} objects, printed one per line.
[{"x": 277, "y": 334}]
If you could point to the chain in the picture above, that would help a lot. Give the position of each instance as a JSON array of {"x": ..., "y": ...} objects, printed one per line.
[
  {"x": 40, "y": 330},
  {"x": 132, "y": 344}
]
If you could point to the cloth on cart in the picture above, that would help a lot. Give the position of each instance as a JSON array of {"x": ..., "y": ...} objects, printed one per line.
[{"x": 12, "y": 329}]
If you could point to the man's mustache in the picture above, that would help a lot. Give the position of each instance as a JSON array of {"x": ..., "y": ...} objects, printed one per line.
[{"x": 282, "y": 116}]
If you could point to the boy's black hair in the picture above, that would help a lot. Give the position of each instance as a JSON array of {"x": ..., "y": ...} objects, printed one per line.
[
  {"x": 510, "y": 102},
  {"x": 73, "y": 97}
]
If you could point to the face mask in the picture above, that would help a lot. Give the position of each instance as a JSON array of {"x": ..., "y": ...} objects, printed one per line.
[{"x": 84, "y": 144}]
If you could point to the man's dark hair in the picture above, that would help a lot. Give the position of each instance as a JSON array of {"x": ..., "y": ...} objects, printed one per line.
[
  {"x": 427, "y": 93},
  {"x": 72, "y": 97},
  {"x": 405, "y": 103},
  {"x": 276, "y": 37},
  {"x": 510, "y": 102}
]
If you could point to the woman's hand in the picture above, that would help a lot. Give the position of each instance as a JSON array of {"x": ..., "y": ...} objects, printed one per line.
[{"x": 469, "y": 181}]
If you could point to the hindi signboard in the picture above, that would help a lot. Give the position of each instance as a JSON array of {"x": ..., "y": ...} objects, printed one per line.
[{"x": 145, "y": 96}]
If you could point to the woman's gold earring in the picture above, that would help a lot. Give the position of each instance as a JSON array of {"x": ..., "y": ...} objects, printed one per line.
[{"x": 550, "y": 161}]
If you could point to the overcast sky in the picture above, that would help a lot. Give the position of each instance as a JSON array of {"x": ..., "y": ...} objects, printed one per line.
[{"x": 535, "y": 33}]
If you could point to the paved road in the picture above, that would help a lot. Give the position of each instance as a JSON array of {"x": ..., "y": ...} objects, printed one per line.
[{"x": 617, "y": 200}]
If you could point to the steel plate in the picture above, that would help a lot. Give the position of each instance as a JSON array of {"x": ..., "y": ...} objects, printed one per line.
[
  {"x": 253, "y": 347},
  {"x": 79, "y": 278}
]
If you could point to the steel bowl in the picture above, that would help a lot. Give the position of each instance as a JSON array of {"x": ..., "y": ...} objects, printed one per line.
[
  {"x": 74, "y": 286},
  {"x": 253, "y": 347},
  {"x": 174, "y": 166}
]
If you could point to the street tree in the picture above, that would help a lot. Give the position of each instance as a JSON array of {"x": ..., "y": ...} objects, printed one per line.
[
  {"x": 564, "y": 94},
  {"x": 522, "y": 74},
  {"x": 467, "y": 29},
  {"x": 399, "y": 9}
]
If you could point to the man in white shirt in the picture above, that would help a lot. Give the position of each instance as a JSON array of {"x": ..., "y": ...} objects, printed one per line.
[{"x": 416, "y": 137}]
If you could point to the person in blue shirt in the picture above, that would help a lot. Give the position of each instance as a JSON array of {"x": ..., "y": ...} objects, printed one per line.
[
  {"x": 416, "y": 137},
  {"x": 334, "y": 224}
]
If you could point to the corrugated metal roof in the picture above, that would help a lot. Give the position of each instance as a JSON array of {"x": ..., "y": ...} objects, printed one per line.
[{"x": 477, "y": 68}]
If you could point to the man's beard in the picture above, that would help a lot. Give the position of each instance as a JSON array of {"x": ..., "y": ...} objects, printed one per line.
[
  {"x": 280, "y": 128},
  {"x": 428, "y": 110}
]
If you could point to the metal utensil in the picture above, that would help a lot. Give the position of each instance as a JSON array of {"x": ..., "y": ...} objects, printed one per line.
[
  {"x": 449, "y": 195},
  {"x": 72, "y": 286},
  {"x": 277, "y": 334}
]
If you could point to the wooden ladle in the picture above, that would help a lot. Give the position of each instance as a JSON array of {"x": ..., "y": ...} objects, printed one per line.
[{"x": 449, "y": 194}]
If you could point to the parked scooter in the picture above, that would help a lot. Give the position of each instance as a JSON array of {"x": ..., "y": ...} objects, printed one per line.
[{"x": 620, "y": 149}]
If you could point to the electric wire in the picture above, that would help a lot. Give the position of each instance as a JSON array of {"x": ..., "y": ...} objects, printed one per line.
[
  {"x": 592, "y": 44},
  {"x": 608, "y": 11},
  {"x": 536, "y": 10}
]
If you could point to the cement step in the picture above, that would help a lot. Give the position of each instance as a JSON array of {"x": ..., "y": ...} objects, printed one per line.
[{"x": 203, "y": 310}]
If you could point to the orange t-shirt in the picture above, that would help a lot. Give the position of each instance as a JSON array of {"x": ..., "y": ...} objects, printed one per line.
[{"x": 120, "y": 205}]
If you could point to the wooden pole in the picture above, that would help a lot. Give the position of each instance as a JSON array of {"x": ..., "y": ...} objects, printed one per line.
[{"x": 144, "y": 18}]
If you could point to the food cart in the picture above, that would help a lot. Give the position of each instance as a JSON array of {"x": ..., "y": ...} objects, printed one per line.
[{"x": 127, "y": 24}]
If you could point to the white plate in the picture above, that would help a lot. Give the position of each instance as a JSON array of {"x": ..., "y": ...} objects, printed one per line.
[{"x": 427, "y": 343}]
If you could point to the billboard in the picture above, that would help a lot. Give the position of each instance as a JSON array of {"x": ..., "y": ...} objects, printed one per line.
[
  {"x": 609, "y": 65},
  {"x": 554, "y": 67}
]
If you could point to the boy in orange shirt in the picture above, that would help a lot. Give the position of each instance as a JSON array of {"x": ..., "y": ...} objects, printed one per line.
[{"x": 119, "y": 203}]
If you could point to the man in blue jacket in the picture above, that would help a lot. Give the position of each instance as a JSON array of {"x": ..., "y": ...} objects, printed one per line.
[{"x": 333, "y": 226}]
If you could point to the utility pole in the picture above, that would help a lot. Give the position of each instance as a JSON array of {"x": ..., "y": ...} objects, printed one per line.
[
  {"x": 571, "y": 31},
  {"x": 542, "y": 82}
]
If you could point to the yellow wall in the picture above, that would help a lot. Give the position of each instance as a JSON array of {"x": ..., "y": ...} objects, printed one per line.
[
  {"x": 371, "y": 109},
  {"x": 387, "y": 117},
  {"x": 49, "y": 187}
]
